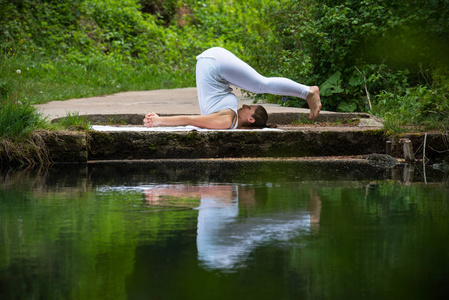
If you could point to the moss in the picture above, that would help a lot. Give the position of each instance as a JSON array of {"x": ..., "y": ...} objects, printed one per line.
[
  {"x": 188, "y": 139},
  {"x": 101, "y": 142},
  {"x": 326, "y": 134},
  {"x": 410, "y": 135},
  {"x": 234, "y": 144},
  {"x": 172, "y": 136},
  {"x": 152, "y": 149},
  {"x": 43, "y": 148},
  {"x": 374, "y": 132},
  {"x": 389, "y": 133},
  {"x": 192, "y": 137},
  {"x": 66, "y": 146},
  {"x": 353, "y": 121},
  {"x": 301, "y": 120},
  {"x": 99, "y": 136}
]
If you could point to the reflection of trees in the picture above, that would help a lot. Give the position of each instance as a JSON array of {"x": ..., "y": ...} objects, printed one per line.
[
  {"x": 79, "y": 241},
  {"x": 74, "y": 245},
  {"x": 27, "y": 178},
  {"x": 376, "y": 242}
]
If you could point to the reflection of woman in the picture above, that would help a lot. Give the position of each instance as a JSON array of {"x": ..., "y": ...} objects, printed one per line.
[
  {"x": 223, "y": 240},
  {"x": 214, "y": 217},
  {"x": 216, "y": 70}
]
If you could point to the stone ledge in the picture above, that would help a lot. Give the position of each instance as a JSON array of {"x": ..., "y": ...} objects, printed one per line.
[
  {"x": 221, "y": 144},
  {"x": 66, "y": 146}
]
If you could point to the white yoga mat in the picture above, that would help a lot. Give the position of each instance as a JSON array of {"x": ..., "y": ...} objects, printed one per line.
[{"x": 175, "y": 128}]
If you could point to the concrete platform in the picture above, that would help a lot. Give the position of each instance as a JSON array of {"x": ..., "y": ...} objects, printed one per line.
[
  {"x": 129, "y": 108},
  {"x": 294, "y": 139},
  {"x": 163, "y": 102}
]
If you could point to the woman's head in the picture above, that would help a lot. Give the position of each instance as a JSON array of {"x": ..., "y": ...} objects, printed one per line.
[{"x": 252, "y": 116}]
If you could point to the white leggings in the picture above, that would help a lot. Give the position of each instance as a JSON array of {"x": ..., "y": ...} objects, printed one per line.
[{"x": 242, "y": 75}]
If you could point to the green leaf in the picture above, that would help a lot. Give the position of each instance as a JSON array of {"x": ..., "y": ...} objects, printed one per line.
[
  {"x": 332, "y": 85},
  {"x": 355, "y": 80},
  {"x": 347, "y": 107}
]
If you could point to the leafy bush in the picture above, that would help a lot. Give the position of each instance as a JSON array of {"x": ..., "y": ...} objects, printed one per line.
[
  {"x": 108, "y": 46},
  {"x": 422, "y": 107},
  {"x": 356, "y": 50}
]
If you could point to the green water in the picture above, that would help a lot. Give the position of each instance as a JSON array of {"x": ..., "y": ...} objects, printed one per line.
[{"x": 214, "y": 230}]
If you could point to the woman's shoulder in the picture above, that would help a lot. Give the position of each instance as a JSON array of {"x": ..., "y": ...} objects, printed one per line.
[{"x": 230, "y": 115}]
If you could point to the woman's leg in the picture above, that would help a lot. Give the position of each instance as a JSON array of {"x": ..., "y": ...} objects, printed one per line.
[{"x": 242, "y": 75}]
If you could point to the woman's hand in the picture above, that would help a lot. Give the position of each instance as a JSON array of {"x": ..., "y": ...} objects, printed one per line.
[{"x": 151, "y": 120}]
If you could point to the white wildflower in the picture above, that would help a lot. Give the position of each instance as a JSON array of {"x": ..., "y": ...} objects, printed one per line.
[{"x": 18, "y": 71}]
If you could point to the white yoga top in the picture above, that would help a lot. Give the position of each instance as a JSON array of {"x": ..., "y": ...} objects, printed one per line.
[{"x": 214, "y": 92}]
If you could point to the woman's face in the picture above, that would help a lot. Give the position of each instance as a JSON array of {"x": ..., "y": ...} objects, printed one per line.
[{"x": 245, "y": 113}]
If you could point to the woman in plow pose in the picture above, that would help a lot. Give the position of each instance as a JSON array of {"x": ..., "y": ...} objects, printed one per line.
[{"x": 216, "y": 70}]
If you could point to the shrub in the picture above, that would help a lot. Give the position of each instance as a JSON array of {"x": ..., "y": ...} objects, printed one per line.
[
  {"x": 424, "y": 107},
  {"x": 357, "y": 49}
]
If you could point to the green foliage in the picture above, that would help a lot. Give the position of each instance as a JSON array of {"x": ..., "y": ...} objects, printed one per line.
[
  {"x": 331, "y": 85},
  {"x": 376, "y": 46},
  {"x": 358, "y": 52},
  {"x": 17, "y": 117},
  {"x": 102, "y": 47},
  {"x": 422, "y": 107},
  {"x": 19, "y": 146},
  {"x": 75, "y": 121},
  {"x": 164, "y": 10}
]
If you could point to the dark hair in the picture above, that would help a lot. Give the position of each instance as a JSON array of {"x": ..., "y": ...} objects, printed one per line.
[{"x": 261, "y": 117}]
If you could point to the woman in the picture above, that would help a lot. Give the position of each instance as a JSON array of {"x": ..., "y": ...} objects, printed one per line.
[{"x": 216, "y": 70}]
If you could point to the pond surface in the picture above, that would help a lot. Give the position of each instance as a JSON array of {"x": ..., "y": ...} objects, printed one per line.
[{"x": 224, "y": 230}]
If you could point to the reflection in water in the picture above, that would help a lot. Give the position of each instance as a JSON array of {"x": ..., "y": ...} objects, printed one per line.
[
  {"x": 87, "y": 233},
  {"x": 224, "y": 240}
]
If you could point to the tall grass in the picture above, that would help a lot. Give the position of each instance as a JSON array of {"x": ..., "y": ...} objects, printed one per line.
[
  {"x": 20, "y": 145},
  {"x": 74, "y": 121},
  {"x": 18, "y": 120},
  {"x": 17, "y": 116}
]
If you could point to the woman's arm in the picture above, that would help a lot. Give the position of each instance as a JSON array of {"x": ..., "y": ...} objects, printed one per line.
[{"x": 219, "y": 120}]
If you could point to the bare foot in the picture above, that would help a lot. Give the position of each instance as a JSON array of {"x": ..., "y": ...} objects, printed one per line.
[{"x": 313, "y": 99}]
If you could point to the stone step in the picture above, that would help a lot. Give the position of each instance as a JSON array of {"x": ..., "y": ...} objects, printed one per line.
[
  {"x": 302, "y": 140},
  {"x": 226, "y": 144}
]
